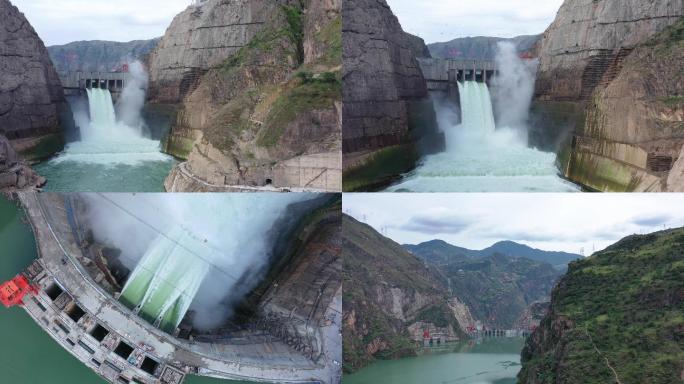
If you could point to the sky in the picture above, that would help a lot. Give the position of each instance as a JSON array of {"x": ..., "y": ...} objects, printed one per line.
[
  {"x": 552, "y": 222},
  {"x": 445, "y": 20},
  {"x": 63, "y": 21}
]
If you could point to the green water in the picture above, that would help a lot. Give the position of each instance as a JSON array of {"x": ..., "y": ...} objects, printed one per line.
[
  {"x": 73, "y": 176},
  {"x": 28, "y": 355},
  {"x": 491, "y": 361}
]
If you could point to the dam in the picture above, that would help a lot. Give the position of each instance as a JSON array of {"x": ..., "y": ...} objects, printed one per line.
[
  {"x": 76, "y": 83},
  {"x": 291, "y": 343},
  {"x": 439, "y": 73}
]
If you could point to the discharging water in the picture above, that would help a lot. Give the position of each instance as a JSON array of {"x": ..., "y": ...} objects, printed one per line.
[
  {"x": 167, "y": 279},
  {"x": 488, "y": 361},
  {"x": 110, "y": 157},
  {"x": 27, "y": 353},
  {"x": 483, "y": 158}
]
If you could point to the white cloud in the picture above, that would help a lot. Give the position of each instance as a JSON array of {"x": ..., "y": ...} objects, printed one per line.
[
  {"x": 444, "y": 20},
  {"x": 64, "y": 21},
  {"x": 555, "y": 222}
]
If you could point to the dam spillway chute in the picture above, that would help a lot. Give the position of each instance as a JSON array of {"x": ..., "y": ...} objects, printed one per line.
[
  {"x": 482, "y": 157},
  {"x": 166, "y": 280}
]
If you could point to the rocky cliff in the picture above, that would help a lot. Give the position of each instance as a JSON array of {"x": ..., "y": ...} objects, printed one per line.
[
  {"x": 388, "y": 118},
  {"x": 33, "y": 110},
  {"x": 97, "y": 55},
  {"x": 608, "y": 92},
  {"x": 390, "y": 299},
  {"x": 14, "y": 173},
  {"x": 616, "y": 317},
  {"x": 260, "y": 95},
  {"x": 200, "y": 38}
]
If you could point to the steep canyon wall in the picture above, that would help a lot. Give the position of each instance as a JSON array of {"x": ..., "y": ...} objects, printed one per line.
[{"x": 608, "y": 92}]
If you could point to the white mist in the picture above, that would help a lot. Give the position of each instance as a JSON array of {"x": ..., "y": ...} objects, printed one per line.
[{"x": 227, "y": 236}]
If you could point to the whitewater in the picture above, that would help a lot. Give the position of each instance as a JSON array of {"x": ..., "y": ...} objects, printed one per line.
[
  {"x": 481, "y": 157},
  {"x": 109, "y": 142},
  {"x": 111, "y": 156}
]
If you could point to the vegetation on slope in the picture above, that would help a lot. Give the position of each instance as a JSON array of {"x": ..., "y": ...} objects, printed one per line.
[
  {"x": 259, "y": 90},
  {"x": 499, "y": 288},
  {"x": 616, "y": 316},
  {"x": 373, "y": 264},
  {"x": 310, "y": 93}
]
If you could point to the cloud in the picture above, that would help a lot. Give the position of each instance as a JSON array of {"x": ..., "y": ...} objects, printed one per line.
[
  {"x": 64, "y": 21},
  {"x": 651, "y": 220},
  {"x": 437, "y": 221},
  {"x": 554, "y": 222},
  {"x": 444, "y": 20}
]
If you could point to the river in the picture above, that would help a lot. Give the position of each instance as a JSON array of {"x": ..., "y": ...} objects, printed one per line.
[
  {"x": 28, "y": 355},
  {"x": 487, "y": 361}
]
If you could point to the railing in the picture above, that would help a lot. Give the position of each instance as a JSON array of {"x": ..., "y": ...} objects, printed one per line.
[
  {"x": 114, "y": 81},
  {"x": 453, "y": 70}
]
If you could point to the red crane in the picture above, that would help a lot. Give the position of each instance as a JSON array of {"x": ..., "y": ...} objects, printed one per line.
[{"x": 12, "y": 292}]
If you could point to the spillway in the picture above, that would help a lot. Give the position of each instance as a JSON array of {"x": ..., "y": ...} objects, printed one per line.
[
  {"x": 166, "y": 280},
  {"x": 106, "y": 141},
  {"x": 481, "y": 157},
  {"x": 109, "y": 156}
]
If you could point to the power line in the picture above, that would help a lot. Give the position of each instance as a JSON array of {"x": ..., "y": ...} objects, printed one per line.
[
  {"x": 164, "y": 280},
  {"x": 169, "y": 238}
]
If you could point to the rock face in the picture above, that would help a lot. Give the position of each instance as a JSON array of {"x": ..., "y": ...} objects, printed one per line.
[
  {"x": 611, "y": 321},
  {"x": 586, "y": 37},
  {"x": 14, "y": 174},
  {"x": 390, "y": 299},
  {"x": 264, "y": 109},
  {"x": 296, "y": 302},
  {"x": 200, "y": 38},
  {"x": 609, "y": 75},
  {"x": 388, "y": 117},
  {"x": 32, "y": 101},
  {"x": 417, "y": 46},
  {"x": 98, "y": 55}
]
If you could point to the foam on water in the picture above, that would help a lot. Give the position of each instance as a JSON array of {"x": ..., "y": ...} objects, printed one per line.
[
  {"x": 106, "y": 141},
  {"x": 482, "y": 158}
]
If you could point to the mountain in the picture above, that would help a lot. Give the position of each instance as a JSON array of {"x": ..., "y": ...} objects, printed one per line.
[
  {"x": 98, "y": 55},
  {"x": 557, "y": 259},
  {"x": 258, "y": 88},
  {"x": 438, "y": 251},
  {"x": 389, "y": 296},
  {"x": 497, "y": 288},
  {"x": 617, "y": 316},
  {"x": 480, "y": 47}
]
